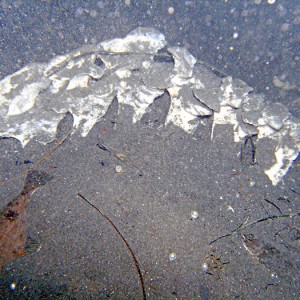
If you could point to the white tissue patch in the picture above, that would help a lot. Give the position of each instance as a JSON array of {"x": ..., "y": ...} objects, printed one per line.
[{"x": 35, "y": 99}]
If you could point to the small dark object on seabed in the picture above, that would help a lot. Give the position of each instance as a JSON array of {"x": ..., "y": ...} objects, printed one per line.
[
  {"x": 248, "y": 150},
  {"x": 23, "y": 162},
  {"x": 13, "y": 217}
]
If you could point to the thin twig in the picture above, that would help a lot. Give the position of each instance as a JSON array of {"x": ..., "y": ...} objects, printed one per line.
[
  {"x": 270, "y": 202},
  {"x": 271, "y": 218},
  {"x": 229, "y": 234},
  {"x": 244, "y": 225},
  {"x": 124, "y": 240},
  {"x": 43, "y": 158}
]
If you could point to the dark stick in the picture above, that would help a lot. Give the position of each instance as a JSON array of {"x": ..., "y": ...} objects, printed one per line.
[
  {"x": 244, "y": 225},
  {"x": 124, "y": 240},
  {"x": 273, "y": 204}
]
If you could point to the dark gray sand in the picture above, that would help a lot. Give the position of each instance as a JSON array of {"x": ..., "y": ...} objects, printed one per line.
[{"x": 76, "y": 253}]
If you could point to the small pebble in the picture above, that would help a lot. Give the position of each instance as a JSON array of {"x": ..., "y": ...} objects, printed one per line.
[
  {"x": 274, "y": 276},
  {"x": 205, "y": 267},
  {"x": 172, "y": 256},
  {"x": 194, "y": 215},
  {"x": 252, "y": 183},
  {"x": 93, "y": 13},
  {"x": 119, "y": 169},
  {"x": 171, "y": 10},
  {"x": 78, "y": 11}
]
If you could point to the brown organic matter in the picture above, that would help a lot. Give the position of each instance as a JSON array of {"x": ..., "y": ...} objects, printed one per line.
[{"x": 13, "y": 219}]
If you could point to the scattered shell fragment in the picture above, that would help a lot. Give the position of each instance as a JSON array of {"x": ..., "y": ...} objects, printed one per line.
[{"x": 275, "y": 115}]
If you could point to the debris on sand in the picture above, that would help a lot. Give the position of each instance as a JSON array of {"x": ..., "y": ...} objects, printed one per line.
[
  {"x": 13, "y": 238},
  {"x": 136, "y": 70}
]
